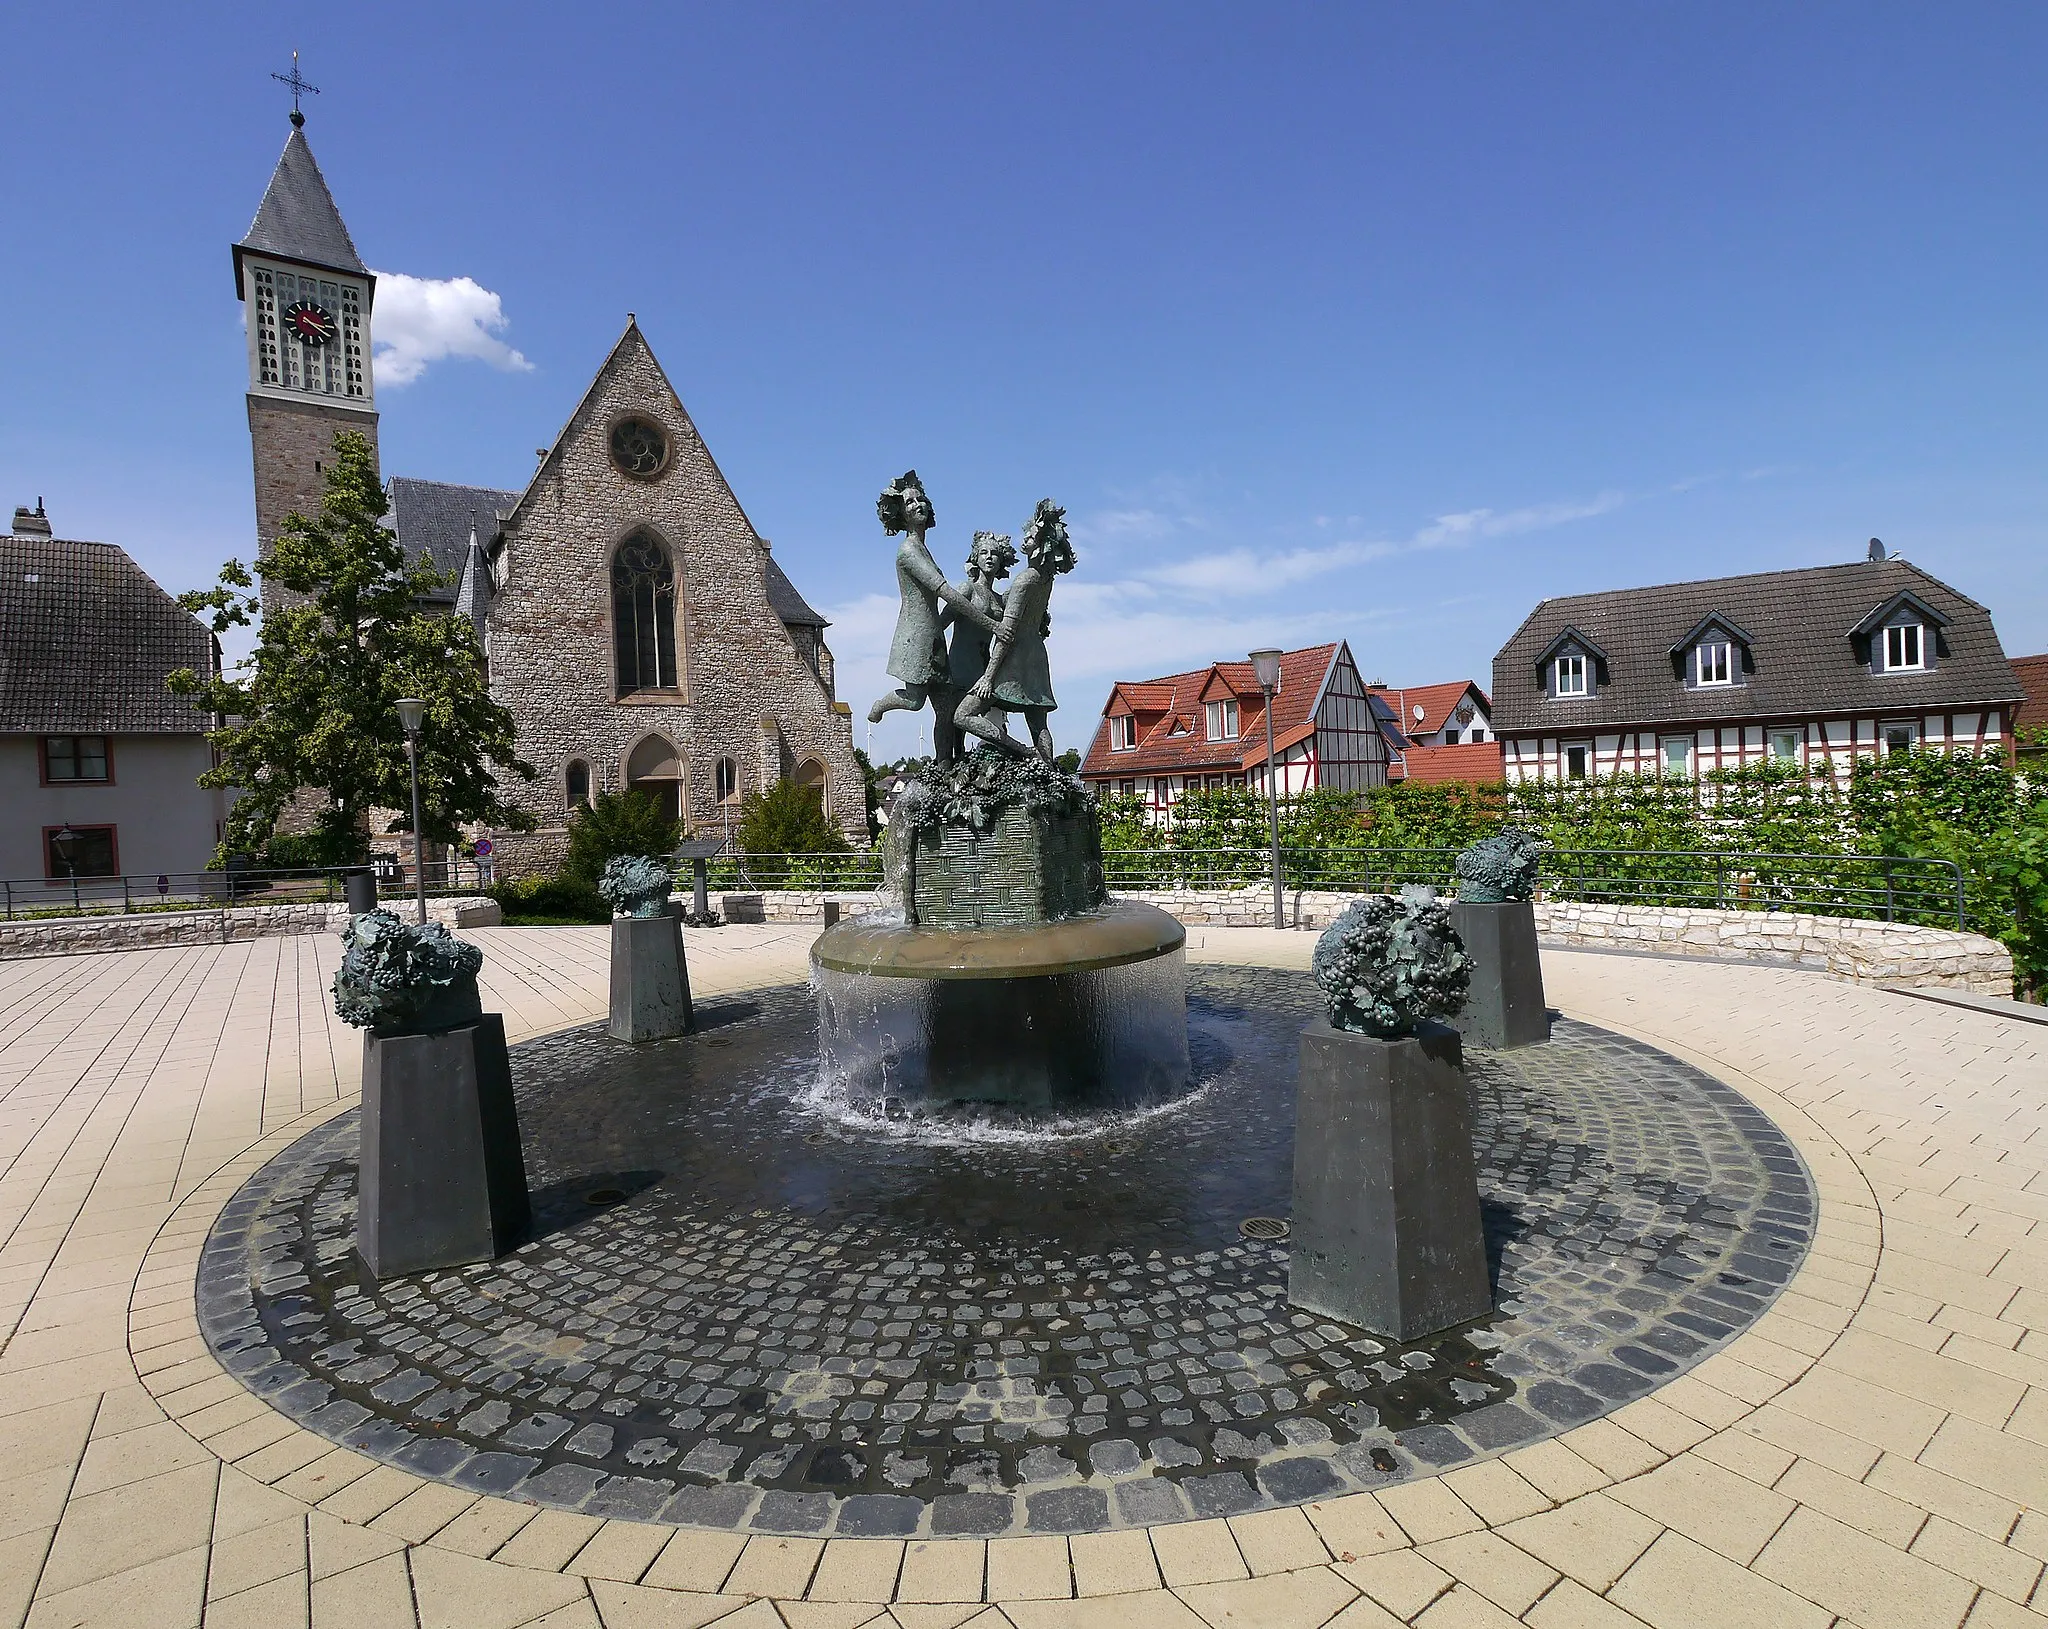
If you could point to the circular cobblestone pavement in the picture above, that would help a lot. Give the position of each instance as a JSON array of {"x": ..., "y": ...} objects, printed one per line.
[{"x": 740, "y": 1310}]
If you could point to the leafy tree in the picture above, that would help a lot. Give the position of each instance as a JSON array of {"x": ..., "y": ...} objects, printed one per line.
[
  {"x": 313, "y": 709},
  {"x": 616, "y": 823},
  {"x": 1068, "y": 762},
  {"x": 870, "y": 776},
  {"x": 788, "y": 818}
]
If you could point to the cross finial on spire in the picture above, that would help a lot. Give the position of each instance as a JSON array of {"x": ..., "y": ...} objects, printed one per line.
[{"x": 299, "y": 88}]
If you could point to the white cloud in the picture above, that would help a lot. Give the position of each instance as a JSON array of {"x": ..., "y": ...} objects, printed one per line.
[{"x": 423, "y": 320}]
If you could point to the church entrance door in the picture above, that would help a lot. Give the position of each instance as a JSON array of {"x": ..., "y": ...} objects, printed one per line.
[{"x": 655, "y": 767}]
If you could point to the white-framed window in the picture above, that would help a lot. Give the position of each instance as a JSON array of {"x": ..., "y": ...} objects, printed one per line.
[
  {"x": 1221, "y": 717},
  {"x": 1123, "y": 732},
  {"x": 1902, "y": 737},
  {"x": 1130, "y": 789},
  {"x": 1162, "y": 789},
  {"x": 1905, "y": 648},
  {"x": 1571, "y": 675},
  {"x": 1677, "y": 754},
  {"x": 1578, "y": 762},
  {"x": 1785, "y": 745},
  {"x": 1710, "y": 663}
]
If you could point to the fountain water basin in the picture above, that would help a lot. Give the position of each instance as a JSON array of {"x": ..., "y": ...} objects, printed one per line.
[{"x": 1078, "y": 1015}]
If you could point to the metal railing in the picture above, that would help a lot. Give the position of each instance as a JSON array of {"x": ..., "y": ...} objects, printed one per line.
[
  {"x": 40, "y": 897},
  {"x": 1881, "y": 887},
  {"x": 853, "y": 873}
]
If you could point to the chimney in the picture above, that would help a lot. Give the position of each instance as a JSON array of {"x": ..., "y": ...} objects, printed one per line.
[{"x": 31, "y": 522}]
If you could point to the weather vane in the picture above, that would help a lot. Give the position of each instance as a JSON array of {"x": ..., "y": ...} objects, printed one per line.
[{"x": 299, "y": 88}]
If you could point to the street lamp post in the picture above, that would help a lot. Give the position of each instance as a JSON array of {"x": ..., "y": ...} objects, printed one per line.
[
  {"x": 411, "y": 714},
  {"x": 64, "y": 844},
  {"x": 1266, "y": 667}
]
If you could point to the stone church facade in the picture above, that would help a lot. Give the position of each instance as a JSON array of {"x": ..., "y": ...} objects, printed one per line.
[{"x": 634, "y": 622}]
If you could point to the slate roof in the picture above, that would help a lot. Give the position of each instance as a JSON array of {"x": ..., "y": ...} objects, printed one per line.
[
  {"x": 433, "y": 518},
  {"x": 86, "y": 639},
  {"x": 1172, "y": 737},
  {"x": 297, "y": 219},
  {"x": 1802, "y": 662},
  {"x": 783, "y": 599}
]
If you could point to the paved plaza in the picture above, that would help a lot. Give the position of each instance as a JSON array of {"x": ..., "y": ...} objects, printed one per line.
[{"x": 1866, "y": 1452}]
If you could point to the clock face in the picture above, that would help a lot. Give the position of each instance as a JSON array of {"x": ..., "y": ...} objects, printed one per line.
[{"x": 308, "y": 323}]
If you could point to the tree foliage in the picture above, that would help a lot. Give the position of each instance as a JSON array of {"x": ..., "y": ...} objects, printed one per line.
[
  {"x": 788, "y": 818},
  {"x": 313, "y": 710},
  {"x": 613, "y": 824}
]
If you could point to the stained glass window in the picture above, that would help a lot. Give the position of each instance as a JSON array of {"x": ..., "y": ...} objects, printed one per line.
[{"x": 644, "y": 615}]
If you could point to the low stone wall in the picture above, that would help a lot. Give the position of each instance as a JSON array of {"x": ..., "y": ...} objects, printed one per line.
[
  {"x": 788, "y": 904},
  {"x": 1848, "y": 947},
  {"x": 144, "y": 930}
]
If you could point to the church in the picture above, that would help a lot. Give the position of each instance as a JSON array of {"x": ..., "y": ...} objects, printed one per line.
[{"x": 633, "y": 621}]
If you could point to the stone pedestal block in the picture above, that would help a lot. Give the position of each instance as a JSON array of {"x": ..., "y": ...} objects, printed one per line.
[
  {"x": 650, "y": 980},
  {"x": 1506, "y": 1006},
  {"x": 443, "y": 1175},
  {"x": 1387, "y": 1233}
]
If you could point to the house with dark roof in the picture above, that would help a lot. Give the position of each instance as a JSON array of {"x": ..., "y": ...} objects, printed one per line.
[
  {"x": 99, "y": 762},
  {"x": 1206, "y": 729},
  {"x": 632, "y": 620},
  {"x": 1450, "y": 733},
  {"x": 1820, "y": 665}
]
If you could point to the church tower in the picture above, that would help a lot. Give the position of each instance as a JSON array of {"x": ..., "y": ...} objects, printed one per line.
[{"x": 308, "y": 296}]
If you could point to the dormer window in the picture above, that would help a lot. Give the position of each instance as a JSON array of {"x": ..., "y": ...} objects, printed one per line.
[
  {"x": 1711, "y": 663},
  {"x": 1123, "y": 732},
  {"x": 1221, "y": 717},
  {"x": 1571, "y": 675},
  {"x": 1905, "y": 648}
]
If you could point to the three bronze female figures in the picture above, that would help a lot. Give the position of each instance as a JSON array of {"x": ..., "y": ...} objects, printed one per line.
[{"x": 996, "y": 663}]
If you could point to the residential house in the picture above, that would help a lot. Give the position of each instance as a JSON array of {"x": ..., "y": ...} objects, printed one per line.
[
  {"x": 2032, "y": 719},
  {"x": 1206, "y": 728},
  {"x": 1827, "y": 664},
  {"x": 97, "y": 757},
  {"x": 1450, "y": 733}
]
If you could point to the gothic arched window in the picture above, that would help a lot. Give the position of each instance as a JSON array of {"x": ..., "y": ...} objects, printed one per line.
[
  {"x": 728, "y": 780},
  {"x": 644, "y": 615},
  {"x": 576, "y": 783}
]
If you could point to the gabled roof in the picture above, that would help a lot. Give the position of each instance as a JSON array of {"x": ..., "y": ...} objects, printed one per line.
[
  {"x": 1473, "y": 761},
  {"x": 783, "y": 599},
  {"x": 86, "y": 640},
  {"x": 297, "y": 219},
  {"x": 1804, "y": 661},
  {"x": 1176, "y": 699},
  {"x": 1906, "y": 599},
  {"x": 434, "y": 519},
  {"x": 1713, "y": 619},
  {"x": 1437, "y": 701},
  {"x": 1569, "y": 635}
]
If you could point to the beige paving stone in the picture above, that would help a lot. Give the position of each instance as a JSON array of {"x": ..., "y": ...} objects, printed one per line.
[
  {"x": 697, "y": 1560},
  {"x": 1464, "y": 1608},
  {"x": 861, "y": 1570},
  {"x": 1872, "y": 1583},
  {"x": 936, "y": 1570},
  {"x": 1112, "y": 1563},
  {"x": 44, "y": 1438},
  {"x": 576, "y": 1615},
  {"x": 320, "y": 1479},
  {"x": 1156, "y": 1609},
  {"x": 167, "y": 1592},
  {"x": 550, "y": 1540},
  {"x": 832, "y": 1614},
  {"x": 778, "y": 1567},
  {"x": 370, "y": 1495},
  {"x": 1496, "y": 1493},
  {"x": 129, "y": 1526},
  {"x": 1402, "y": 1581},
  {"x": 1364, "y": 1613},
  {"x": 1868, "y": 1509},
  {"x": 1936, "y": 1381},
  {"x": 21, "y": 1564},
  {"x": 631, "y": 1606},
  {"x": 424, "y": 1512},
  {"x": 1594, "y": 1539},
  {"x": 1428, "y": 1510},
  {"x": 2008, "y": 1572},
  {"x": 33, "y": 1502},
  {"x": 1197, "y": 1553},
  {"x": 241, "y": 1505},
  {"x": 1552, "y": 1468},
  {"x": 460, "y": 1592},
  {"x": 1355, "y": 1525},
  {"x": 930, "y": 1614},
  {"x": 282, "y": 1603},
  {"x": 1029, "y": 1569},
  {"x": 1762, "y": 1462},
  {"x": 257, "y": 1557},
  {"x": 619, "y": 1550},
  {"x": 1662, "y": 1427},
  {"x": 1277, "y": 1541},
  {"x": 2029, "y": 1535},
  {"x": 1570, "y": 1605},
  {"x": 486, "y": 1525},
  {"x": 1682, "y": 1585},
  {"x": 1305, "y": 1599},
  {"x": 1988, "y": 1459},
  {"x": 1507, "y": 1576},
  {"x": 1619, "y": 1453},
  {"x": 1719, "y": 1509},
  {"x": 1810, "y": 1439},
  {"x": 374, "y": 1595},
  {"x": 1995, "y": 1612},
  {"x": 282, "y": 1457}
]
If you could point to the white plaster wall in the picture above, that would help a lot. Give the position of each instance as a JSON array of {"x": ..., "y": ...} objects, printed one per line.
[{"x": 163, "y": 821}]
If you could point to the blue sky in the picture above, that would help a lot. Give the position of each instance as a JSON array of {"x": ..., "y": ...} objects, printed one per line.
[{"x": 1331, "y": 321}]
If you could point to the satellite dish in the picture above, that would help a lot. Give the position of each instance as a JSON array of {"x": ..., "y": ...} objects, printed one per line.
[
  {"x": 1419, "y": 714},
  {"x": 1876, "y": 549}
]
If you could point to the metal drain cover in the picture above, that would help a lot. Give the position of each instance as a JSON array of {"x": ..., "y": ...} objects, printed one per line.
[
  {"x": 606, "y": 1196},
  {"x": 1264, "y": 1227}
]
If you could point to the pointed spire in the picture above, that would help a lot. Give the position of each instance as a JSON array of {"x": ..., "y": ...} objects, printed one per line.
[
  {"x": 297, "y": 219},
  {"x": 473, "y": 598}
]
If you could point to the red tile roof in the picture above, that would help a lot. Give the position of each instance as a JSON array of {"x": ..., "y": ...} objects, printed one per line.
[
  {"x": 2032, "y": 672},
  {"x": 1437, "y": 701},
  {"x": 1475, "y": 761},
  {"x": 1174, "y": 703}
]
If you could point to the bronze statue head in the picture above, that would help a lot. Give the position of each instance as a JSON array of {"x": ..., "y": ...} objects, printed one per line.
[
  {"x": 991, "y": 556},
  {"x": 904, "y": 507},
  {"x": 1046, "y": 544}
]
